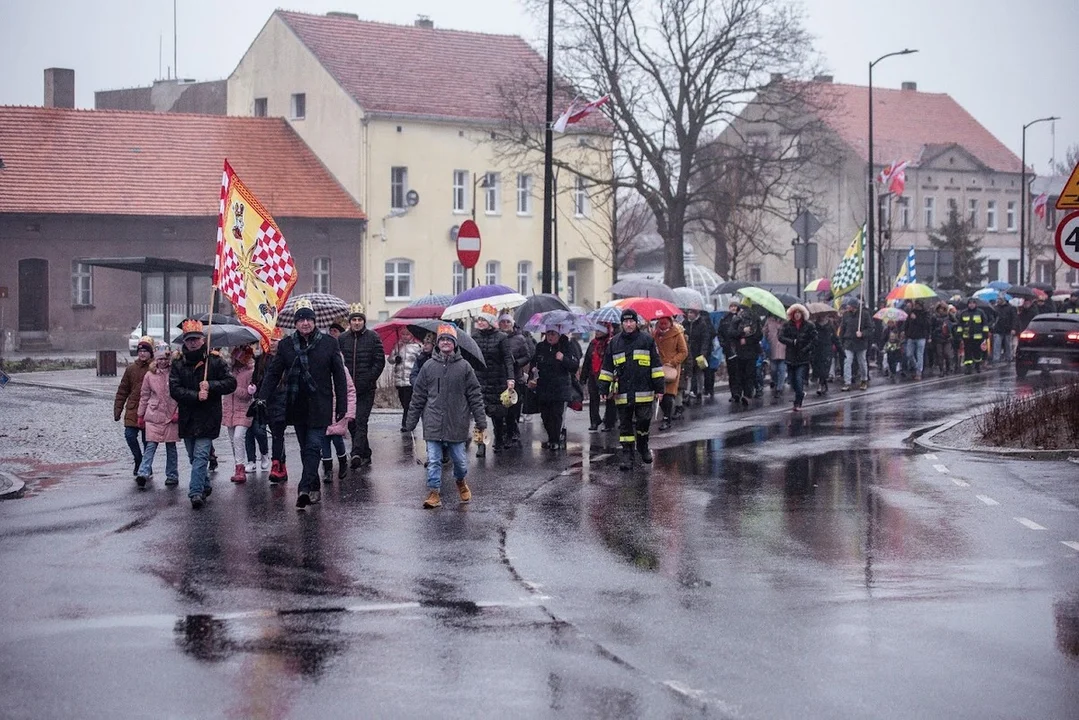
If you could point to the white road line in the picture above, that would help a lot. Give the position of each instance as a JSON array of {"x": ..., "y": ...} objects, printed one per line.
[
  {"x": 600, "y": 458},
  {"x": 941, "y": 468},
  {"x": 930, "y": 456},
  {"x": 987, "y": 500},
  {"x": 960, "y": 483},
  {"x": 1071, "y": 543},
  {"x": 1029, "y": 523}
]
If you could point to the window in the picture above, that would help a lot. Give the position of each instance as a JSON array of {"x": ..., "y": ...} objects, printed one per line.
[
  {"x": 904, "y": 212},
  {"x": 1072, "y": 278},
  {"x": 458, "y": 278},
  {"x": 930, "y": 216},
  {"x": 398, "y": 279},
  {"x": 491, "y": 196},
  {"x": 398, "y": 187},
  {"x": 991, "y": 215},
  {"x": 460, "y": 191},
  {"x": 993, "y": 271},
  {"x": 322, "y": 275},
  {"x": 953, "y": 206},
  {"x": 884, "y": 211},
  {"x": 491, "y": 272},
  {"x": 524, "y": 194},
  {"x": 1043, "y": 272},
  {"x": 299, "y": 106},
  {"x": 571, "y": 283},
  {"x": 1010, "y": 216},
  {"x": 524, "y": 277},
  {"x": 82, "y": 284},
  {"x": 755, "y": 273},
  {"x": 972, "y": 212},
  {"x": 580, "y": 197},
  {"x": 260, "y": 107},
  {"x": 1013, "y": 272}
]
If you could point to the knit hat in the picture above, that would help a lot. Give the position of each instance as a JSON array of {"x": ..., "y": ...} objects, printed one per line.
[
  {"x": 145, "y": 343},
  {"x": 304, "y": 311},
  {"x": 191, "y": 328},
  {"x": 338, "y": 326},
  {"x": 356, "y": 310},
  {"x": 628, "y": 314},
  {"x": 448, "y": 330},
  {"x": 488, "y": 313},
  {"x": 161, "y": 350},
  {"x": 506, "y": 317}
]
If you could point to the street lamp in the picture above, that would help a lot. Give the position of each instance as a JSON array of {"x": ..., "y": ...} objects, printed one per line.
[
  {"x": 1023, "y": 202},
  {"x": 870, "y": 242},
  {"x": 548, "y": 156}
]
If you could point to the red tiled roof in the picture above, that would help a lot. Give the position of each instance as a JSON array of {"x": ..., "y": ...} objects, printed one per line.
[
  {"x": 906, "y": 121},
  {"x": 432, "y": 72},
  {"x": 139, "y": 163}
]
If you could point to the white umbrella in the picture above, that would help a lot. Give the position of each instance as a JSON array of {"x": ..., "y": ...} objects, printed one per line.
[{"x": 688, "y": 299}]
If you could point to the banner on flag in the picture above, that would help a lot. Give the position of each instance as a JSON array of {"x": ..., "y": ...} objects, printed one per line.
[
  {"x": 851, "y": 269},
  {"x": 1038, "y": 205},
  {"x": 907, "y": 271},
  {"x": 578, "y": 111},
  {"x": 894, "y": 177},
  {"x": 253, "y": 267}
]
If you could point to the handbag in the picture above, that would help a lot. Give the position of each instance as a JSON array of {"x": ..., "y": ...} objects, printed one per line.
[
  {"x": 670, "y": 374},
  {"x": 576, "y": 394}
]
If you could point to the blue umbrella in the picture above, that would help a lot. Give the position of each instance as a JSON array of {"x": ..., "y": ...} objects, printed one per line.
[
  {"x": 999, "y": 285},
  {"x": 610, "y": 314},
  {"x": 990, "y": 294}
]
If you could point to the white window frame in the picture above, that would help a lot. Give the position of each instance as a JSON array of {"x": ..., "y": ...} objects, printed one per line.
[
  {"x": 929, "y": 213},
  {"x": 265, "y": 107},
  {"x": 82, "y": 284},
  {"x": 298, "y": 106},
  {"x": 460, "y": 192},
  {"x": 524, "y": 194},
  {"x": 972, "y": 212},
  {"x": 904, "y": 211},
  {"x": 492, "y": 195},
  {"x": 398, "y": 187},
  {"x": 580, "y": 197},
  {"x": 1010, "y": 216},
  {"x": 1043, "y": 272},
  {"x": 524, "y": 277},
  {"x": 459, "y": 281},
  {"x": 991, "y": 215},
  {"x": 321, "y": 275},
  {"x": 398, "y": 271},
  {"x": 492, "y": 272}
]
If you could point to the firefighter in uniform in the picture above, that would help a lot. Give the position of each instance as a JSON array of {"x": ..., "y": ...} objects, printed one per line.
[
  {"x": 633, "y": 374},
  {"x": 974, "y": 328}
]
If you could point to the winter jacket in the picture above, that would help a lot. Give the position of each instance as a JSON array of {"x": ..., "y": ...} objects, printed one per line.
[
  {"x": 275, "y": 406},
  {"x": 521, "y": 348},
  {"x": 404, "y": 359},
  {"x": 593, "y": 358},
  {"x": 126, "y": 402},
  {"x": 364, "y": 358},
  {"x": 1006, "y": 320},
  {"x": 157, "y": 408},
  {"x": 973, "y": 324},
  {"x": 699, "y": 334},
  {"x": 340, "y": 427},
  {"x": 728, "y": 329},
  {"x": 553, "y": 384},
  {"x": 499, "y": 368},
  {"x": 234, "y": 406},
  {"x": 772, "y": 328},
  {"x": 941, "y": 329},
  {"x": 1024, "y": 315},
  {"x": 445, "y": 394},
  {"x": 746, "y": 335},
  {"x": 673, "y": 351},
  {"x": 849, "y": 326},
  {"x": 800, "y": 341},
  {"x": 825, "y": 347},
  {"x": 632, "y": 371},
  {"x": 313, "y": 409},
  {"x": 916, "y": 326},
  {"x": 199, "y": 418},
  {"x": 420, "y": 360}
]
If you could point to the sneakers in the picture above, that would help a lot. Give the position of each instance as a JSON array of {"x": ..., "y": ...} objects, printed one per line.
[
  {"x": 355, "y": 462},
  {"x": 197, "y": 501},
  {"x": 313, "y": 497},
  {"x": 863, "y": 385},
  {"x": 264, "y": 462},
  {"x": 665, "y": 424},
  {"x": 141, "y": 480},
  {"x": 172, "y": 481},
  {"x": 239, "y": 476},
  {"x": 845, "y": 388},
  {"x": 250, "y": 468},
  {"x": 277, "y": 472},
  {"x": 464, "y": 491},
  {"x": 434, "y": 500}
]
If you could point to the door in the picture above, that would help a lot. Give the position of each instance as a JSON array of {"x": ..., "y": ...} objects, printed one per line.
[{"x": 33, "y": 295}]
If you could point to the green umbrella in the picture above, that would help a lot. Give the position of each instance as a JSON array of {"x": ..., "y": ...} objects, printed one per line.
[{"x": 765, "y": 299}]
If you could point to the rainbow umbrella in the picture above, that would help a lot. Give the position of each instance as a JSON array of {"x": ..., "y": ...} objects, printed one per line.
[
  {"x": 819, "y": 285},
  {"x": 912, "y": 291}
]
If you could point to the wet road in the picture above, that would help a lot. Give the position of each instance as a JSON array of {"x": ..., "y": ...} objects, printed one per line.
[{"x": 770, "y": 565}]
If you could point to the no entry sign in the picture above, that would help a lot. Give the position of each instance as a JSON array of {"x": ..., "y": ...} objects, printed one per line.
[{"x": 468, "y": 244}]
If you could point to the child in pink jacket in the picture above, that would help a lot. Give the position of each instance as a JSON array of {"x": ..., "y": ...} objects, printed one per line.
[
  {"x": 336, "y": 434},
  {"x": 157, "y": 415},
  {"x": 234, "y": 408}
]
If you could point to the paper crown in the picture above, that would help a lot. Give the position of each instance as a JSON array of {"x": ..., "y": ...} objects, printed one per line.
[
  {"x": 356, "y": 309},
  {"x": 191, "y": 327},
  {"x": 304, "y": 303},
  {"x": 489, "y": 310},
  {"x": 147, "y": 341},
  {"x": 447, "y": 329},
  {"x": 278, "y": 333}
]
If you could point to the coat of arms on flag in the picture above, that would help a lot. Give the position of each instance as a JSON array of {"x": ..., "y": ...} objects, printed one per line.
[
  {"x": 850, "y": 271},
  {"x": 253, "y": 267}
]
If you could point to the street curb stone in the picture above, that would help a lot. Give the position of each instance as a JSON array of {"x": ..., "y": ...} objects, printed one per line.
[
  {"x": 925, "y": 441},
  {"x": 10, "y": 486}
]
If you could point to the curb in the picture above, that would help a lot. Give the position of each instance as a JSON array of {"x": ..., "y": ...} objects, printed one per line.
[
  {"x": 10, "y": 486},
  {"x": 56, "y": 386},
  {"x": 925, "y": 441}
]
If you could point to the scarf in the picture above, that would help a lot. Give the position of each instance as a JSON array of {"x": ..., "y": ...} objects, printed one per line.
[
  {"x": 598, "y": 352},
  {"x": 301, "y": 368}
]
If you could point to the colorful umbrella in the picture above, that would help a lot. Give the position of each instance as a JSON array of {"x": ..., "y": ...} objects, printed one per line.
[
  {"x": 1044, "y": 287},
  {"x": 643, "y": 288},
  {"x": 470, "y": 301},
  {"x": 1039, "y": 294},
  {"x": 328, "y": 309},
  {"x": 911, "y": 291},
  {"x": 765, "y": 299},
  {"x": 688, "y": 298},
  {"x": 649, "y": 308},
  {"x": 419, "y": 312},
  {"x": 819, "y": 285},
  {"x": 538, "y": 304},
  {"x": 564, "y": 321},
  {"x": 610, "y": 314},
  {"x": 433, "y": 299},
  {"x": 819, "y": 308},
  {"x": 891, "y": 313}
]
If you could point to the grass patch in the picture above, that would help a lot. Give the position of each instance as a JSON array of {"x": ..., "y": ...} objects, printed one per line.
[
  {"x": 46, "y": 364},
  {"x": 1048, "y": 419}
]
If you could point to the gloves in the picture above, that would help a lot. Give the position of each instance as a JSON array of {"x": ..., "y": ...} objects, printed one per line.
[
  {"x": 477, "y": 435},
  {"x": 339, "y": 413},
  {"x": 702, "y": 362}
]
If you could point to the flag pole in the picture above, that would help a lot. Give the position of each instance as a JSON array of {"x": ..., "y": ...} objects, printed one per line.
[{"x": 209, "y": 331}]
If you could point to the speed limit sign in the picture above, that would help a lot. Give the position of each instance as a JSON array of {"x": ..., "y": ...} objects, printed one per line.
[{"x": 1068, "y": 239}]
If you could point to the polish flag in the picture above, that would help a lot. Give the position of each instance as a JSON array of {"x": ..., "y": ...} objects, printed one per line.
[
  {"x": 1039, "y": 205},
  {"x": 894, "y": 177},
  {"x": 576, "y": 112}
]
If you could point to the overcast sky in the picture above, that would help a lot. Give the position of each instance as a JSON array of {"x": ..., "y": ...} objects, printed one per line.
[{"x": 1006, "y": 61}]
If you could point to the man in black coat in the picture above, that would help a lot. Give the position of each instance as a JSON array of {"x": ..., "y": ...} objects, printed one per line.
[
  {"x": 699, "y": 334},
  {"x": 1004, "y": 330},
  {"x": 497, "y": 375},
  {"x": 726, "y": 333},
  {"x": 364, "y": 360},
  {"x": 521, "y": 348},
  {"x": 197, "y": 381},
  {"x": 745, "y": 334},
  {"x": 314, "y": 376}
]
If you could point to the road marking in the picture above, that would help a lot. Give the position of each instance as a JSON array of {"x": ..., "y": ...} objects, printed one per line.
[
  {"x": 941, "y": 468},
  {"x": 987, "y": 500},
  {"x": 960, "y": 483},
  {"x": 1029, "y": 523},
  {"x": 1071, "y": 543},
  {"x": 600, "y": 458},
  {"x": 930, "y": 456}
]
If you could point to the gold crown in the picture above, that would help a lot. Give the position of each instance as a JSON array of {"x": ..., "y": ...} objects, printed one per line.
[
  {"x": 191, "y": 326},
  {"x": 304, "y": 303},
  {"x": 356, "y": 309}
]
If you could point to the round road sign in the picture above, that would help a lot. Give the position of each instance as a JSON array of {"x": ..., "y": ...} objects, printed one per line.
[
  {"x": 1068, "y": 239},
  {"x": 468, "y": 244}
]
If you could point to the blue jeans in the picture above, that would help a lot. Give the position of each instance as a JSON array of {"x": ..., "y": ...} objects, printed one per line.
[
  {"x": 779, "y": 374},
  {"x": 146, "y": 469},
  {"x": 310, "y": 439},
  {"x": 198, "y": 452},
  {"x": 257, "y": 431},
  {"x": 132, "y": 436},
  {"x": 798, "y": 380},
  {"x": 338, "y": 444},
  {"x": 434, "y": 462},
  {"x": 1002, "y": 343},
  {"x": 916, "y": 354}
]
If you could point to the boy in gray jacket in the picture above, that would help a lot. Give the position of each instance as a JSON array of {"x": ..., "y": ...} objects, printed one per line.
[{"x": 446, "y": 391}]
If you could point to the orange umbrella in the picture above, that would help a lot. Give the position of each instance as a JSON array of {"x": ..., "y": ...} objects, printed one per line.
[{"x": 911, "y": 291}]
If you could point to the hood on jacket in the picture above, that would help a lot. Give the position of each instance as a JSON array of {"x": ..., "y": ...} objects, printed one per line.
[{"x": 800, "y": 307}]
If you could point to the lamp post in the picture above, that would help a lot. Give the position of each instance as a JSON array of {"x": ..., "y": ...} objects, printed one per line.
[
  {"x": 548, "y": 155},
  {"x": 872, "y": 197},
  {"x": 1023, "y": 202}
]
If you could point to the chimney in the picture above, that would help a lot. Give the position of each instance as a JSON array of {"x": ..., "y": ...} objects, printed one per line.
[
  {"x": 776, "y": 78},
  {"x": 345, "y": 15},
  {"x": 910, "y": 85},
  {"x": 423, "y": 21},
  {"x": 59, "y": 88},
  {"x": 823, "y": 78}
]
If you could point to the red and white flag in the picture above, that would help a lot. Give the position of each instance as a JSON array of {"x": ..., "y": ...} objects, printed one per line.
[
  {"x": 1038, "y": 205},
  {"x": 578, "y": 111},
  {"x": 894, "y": 177}
]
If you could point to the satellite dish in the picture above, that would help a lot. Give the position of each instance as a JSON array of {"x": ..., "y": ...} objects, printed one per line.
[
  {"x": 453, "y": 232},
  {"x": 412, "y": 198}
]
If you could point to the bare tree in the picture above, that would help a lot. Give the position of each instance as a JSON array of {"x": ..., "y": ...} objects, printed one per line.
[
  {"x": 676, "y": 72},
  {"x": 1065, "y": 166}
]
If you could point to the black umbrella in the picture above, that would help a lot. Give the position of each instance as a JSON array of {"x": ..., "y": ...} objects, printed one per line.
[
  {"x": 731, "y": 286},
  {"x": 217, "y": 319},
  {"x": 1021, "y": 291},
  {"x": 787, "y": 299},
  {"x": 468, "y": 347},
  {"x": 1044, "y": 287},
  {"x": 227, "y": 335},
  {"x": 538, "y": 304}
]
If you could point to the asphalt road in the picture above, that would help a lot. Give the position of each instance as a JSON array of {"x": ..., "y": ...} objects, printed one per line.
[{"x": 769, "y": 565}]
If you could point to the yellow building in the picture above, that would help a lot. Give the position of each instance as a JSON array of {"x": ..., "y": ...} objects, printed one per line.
[{"x": 405, "y": 117}]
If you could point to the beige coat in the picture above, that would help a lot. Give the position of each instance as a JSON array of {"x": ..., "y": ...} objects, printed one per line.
[{"x": 672, "y": 353}]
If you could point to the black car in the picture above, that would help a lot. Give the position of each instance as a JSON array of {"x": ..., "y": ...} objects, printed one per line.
[{"x": 1050, "y": 342}]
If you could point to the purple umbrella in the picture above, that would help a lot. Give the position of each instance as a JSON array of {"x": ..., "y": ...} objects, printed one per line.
[{"x": 470, "y": 301}]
